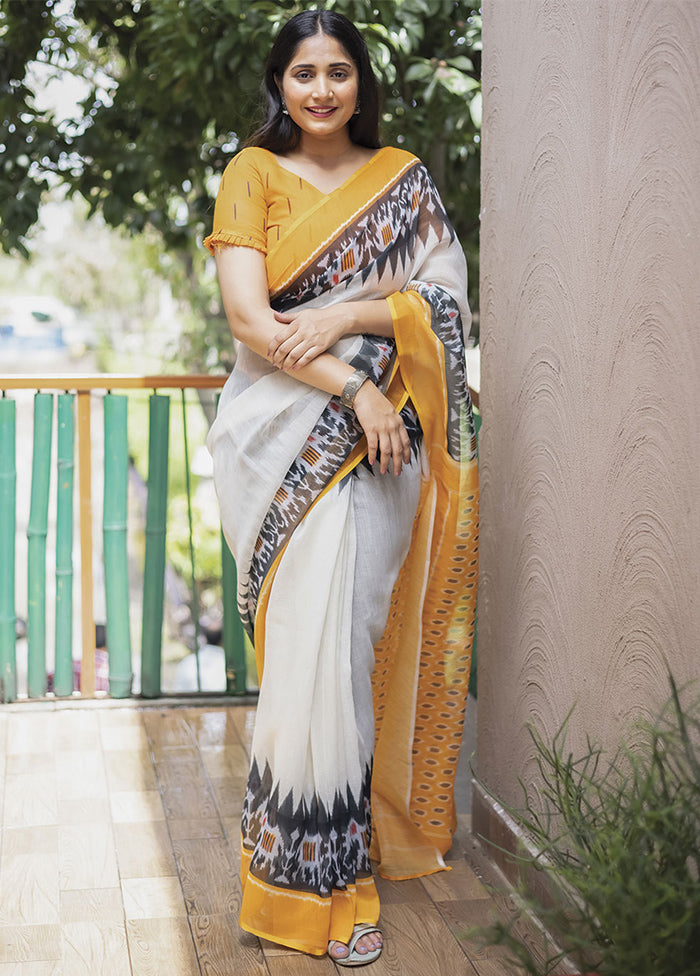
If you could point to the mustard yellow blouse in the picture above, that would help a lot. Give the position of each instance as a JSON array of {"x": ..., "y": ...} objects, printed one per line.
[{"x": 258, "y": 200}]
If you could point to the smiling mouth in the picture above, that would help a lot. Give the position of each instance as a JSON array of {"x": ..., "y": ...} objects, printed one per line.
[{"x": 322, "y": 113}]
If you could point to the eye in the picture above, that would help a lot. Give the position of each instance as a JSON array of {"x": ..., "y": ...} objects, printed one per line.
[{"x": 303, "y": 75}]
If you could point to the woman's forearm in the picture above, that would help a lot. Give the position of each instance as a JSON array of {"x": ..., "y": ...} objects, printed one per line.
[
  {"x": 306, "y": 334},
  {"x": 243, "y": 280},
  {"x": 253, "y": 322},
  {"x": 325, "y": 372},
  {"x": 371, "y": 317},
  {"x": 255, "y": 328}
]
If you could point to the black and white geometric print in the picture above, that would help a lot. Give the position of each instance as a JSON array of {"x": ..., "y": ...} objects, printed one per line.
[
  {"x": 382, "y": 238},
  {"x": 329, "y": 444},
  {"x": 446, "y": 323},
  {"x": 306, "y": 846}
]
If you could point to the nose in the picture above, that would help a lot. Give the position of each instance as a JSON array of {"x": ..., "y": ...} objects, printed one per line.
[{"x": 323, "y": 86}]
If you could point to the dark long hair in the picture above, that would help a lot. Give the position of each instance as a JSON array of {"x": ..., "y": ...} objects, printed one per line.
[{"x": 279, "y": 133}]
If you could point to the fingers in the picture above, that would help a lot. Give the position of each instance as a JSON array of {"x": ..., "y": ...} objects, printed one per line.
[
  {"x": 395, "y": 448},
  {"x": 387, "y": 437},
  {"x": 296, "y": 344},
  {"x": 405, "y": 444},
  {"x": 285, "y": 317},
  {"x": 273, "y": 349},
  {"x": 372, "y": 446},
  {"x": 400, "y": 448},
  {"x": 292, "y": 353},
  {"x": 297, "y": 357},
  {"x": 287, "y": 349},
  {"x": 385, "y": 453},
  {"x": 303, "y": 336}
]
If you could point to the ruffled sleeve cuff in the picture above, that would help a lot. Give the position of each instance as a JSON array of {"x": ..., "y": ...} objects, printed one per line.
[{"x": 222, "y": 238}]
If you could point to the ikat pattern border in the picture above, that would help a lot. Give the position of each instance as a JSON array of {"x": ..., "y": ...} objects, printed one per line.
[
  {"x": 446, "y": 323},
  {"x": 382, "y": 239},
  {"x": 329, "y": 444},
  {"x": 306, "y": 846}
]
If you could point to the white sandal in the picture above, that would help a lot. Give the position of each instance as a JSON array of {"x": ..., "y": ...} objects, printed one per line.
[{"x": 353, "y": 957}]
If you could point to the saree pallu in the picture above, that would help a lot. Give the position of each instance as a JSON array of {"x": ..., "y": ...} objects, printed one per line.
[{"x": 357, "y": 588}]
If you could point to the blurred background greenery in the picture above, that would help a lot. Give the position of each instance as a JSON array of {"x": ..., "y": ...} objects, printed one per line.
[
  {"x": 121, "y": 115},
  {"x": 117, "y": 119}
]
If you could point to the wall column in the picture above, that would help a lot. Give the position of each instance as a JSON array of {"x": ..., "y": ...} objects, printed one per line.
[{"x": 590, "y": 377}]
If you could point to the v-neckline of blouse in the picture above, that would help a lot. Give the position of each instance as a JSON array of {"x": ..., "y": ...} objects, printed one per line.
[{"x": 340, "y": 186}]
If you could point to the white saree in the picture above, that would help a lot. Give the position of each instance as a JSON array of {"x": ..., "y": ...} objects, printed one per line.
[{"x": 358, "y": 588}]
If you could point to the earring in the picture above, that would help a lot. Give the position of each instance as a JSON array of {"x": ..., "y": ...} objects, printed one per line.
[
  {"x": 357, "y": 108},
  {"x": 284, "y": 106}
]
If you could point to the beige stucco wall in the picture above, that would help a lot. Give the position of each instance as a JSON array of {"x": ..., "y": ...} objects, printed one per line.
[{"x": 590, "y": 382}]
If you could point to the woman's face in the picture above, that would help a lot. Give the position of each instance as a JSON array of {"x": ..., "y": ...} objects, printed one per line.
[{"x": 320, "y": 86}]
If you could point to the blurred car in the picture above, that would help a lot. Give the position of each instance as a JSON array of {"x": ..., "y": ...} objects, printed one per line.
[{"x": 35, "y": 323}]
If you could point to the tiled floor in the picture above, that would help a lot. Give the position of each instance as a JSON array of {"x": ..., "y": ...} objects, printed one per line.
[{"x": 120, "y": 855}]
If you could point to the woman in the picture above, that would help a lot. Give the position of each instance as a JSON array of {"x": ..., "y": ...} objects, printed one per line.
[{"x": 344, "y": 459}]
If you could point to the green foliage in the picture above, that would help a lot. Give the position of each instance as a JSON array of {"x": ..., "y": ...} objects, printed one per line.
[
  {"x": 207, "y": 552},
  {"x": 620, "y": 840},
  {"x": 22, "y": 132},
  {"x": 173, "y": 86},
  {"x": 205, "y": 517}
]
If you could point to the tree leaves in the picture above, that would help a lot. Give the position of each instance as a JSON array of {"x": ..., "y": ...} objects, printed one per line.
[{"x": 174, "y": 87}]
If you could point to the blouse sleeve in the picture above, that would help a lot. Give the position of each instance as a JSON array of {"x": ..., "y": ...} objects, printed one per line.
[{"x": 240, "y": 213}]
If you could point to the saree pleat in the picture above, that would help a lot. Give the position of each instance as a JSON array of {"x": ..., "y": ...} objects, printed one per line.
[{"x": 357, "y": 588}]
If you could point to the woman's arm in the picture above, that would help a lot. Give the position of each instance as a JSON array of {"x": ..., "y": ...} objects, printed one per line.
[
  {"x": 310, "y": 332},
  {"x": 244, "y": 290},
  {"x": 243, "y": 282}
]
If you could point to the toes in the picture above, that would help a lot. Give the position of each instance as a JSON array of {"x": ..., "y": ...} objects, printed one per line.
[
  {"x": 368, "y": 943},
  {"x": 339, "y": 950}
]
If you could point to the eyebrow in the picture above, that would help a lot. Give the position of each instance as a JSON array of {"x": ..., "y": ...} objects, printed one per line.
[{"x": 333, "y": 64}]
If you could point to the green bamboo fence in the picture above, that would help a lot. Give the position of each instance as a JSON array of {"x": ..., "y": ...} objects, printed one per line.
[
  {"x": 63, "y": 671},
  {"x": 8, "y": 672},
  {"x": 114, "y": 529},
  {"x": 154, "y": 562},
  {"x": 193, "y": 576},
  {"x": 36, "y": 535},
  {"x": 114, "y": 522}
]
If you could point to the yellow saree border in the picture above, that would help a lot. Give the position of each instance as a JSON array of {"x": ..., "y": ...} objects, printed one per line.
[
  {"x": 288, "y": 258},
  {"x": 421, "y": 675},
  {"x": 288, "y": 913}
]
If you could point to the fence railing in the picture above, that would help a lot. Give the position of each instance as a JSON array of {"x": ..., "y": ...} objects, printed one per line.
[{"x": 70, "y": 398}]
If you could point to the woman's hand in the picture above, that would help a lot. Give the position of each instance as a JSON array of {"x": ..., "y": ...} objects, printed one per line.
[
  {"x": 255, "y": 325},
  {"x": 385, "y": 430},
  {"x": 306, "y": 334}
]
